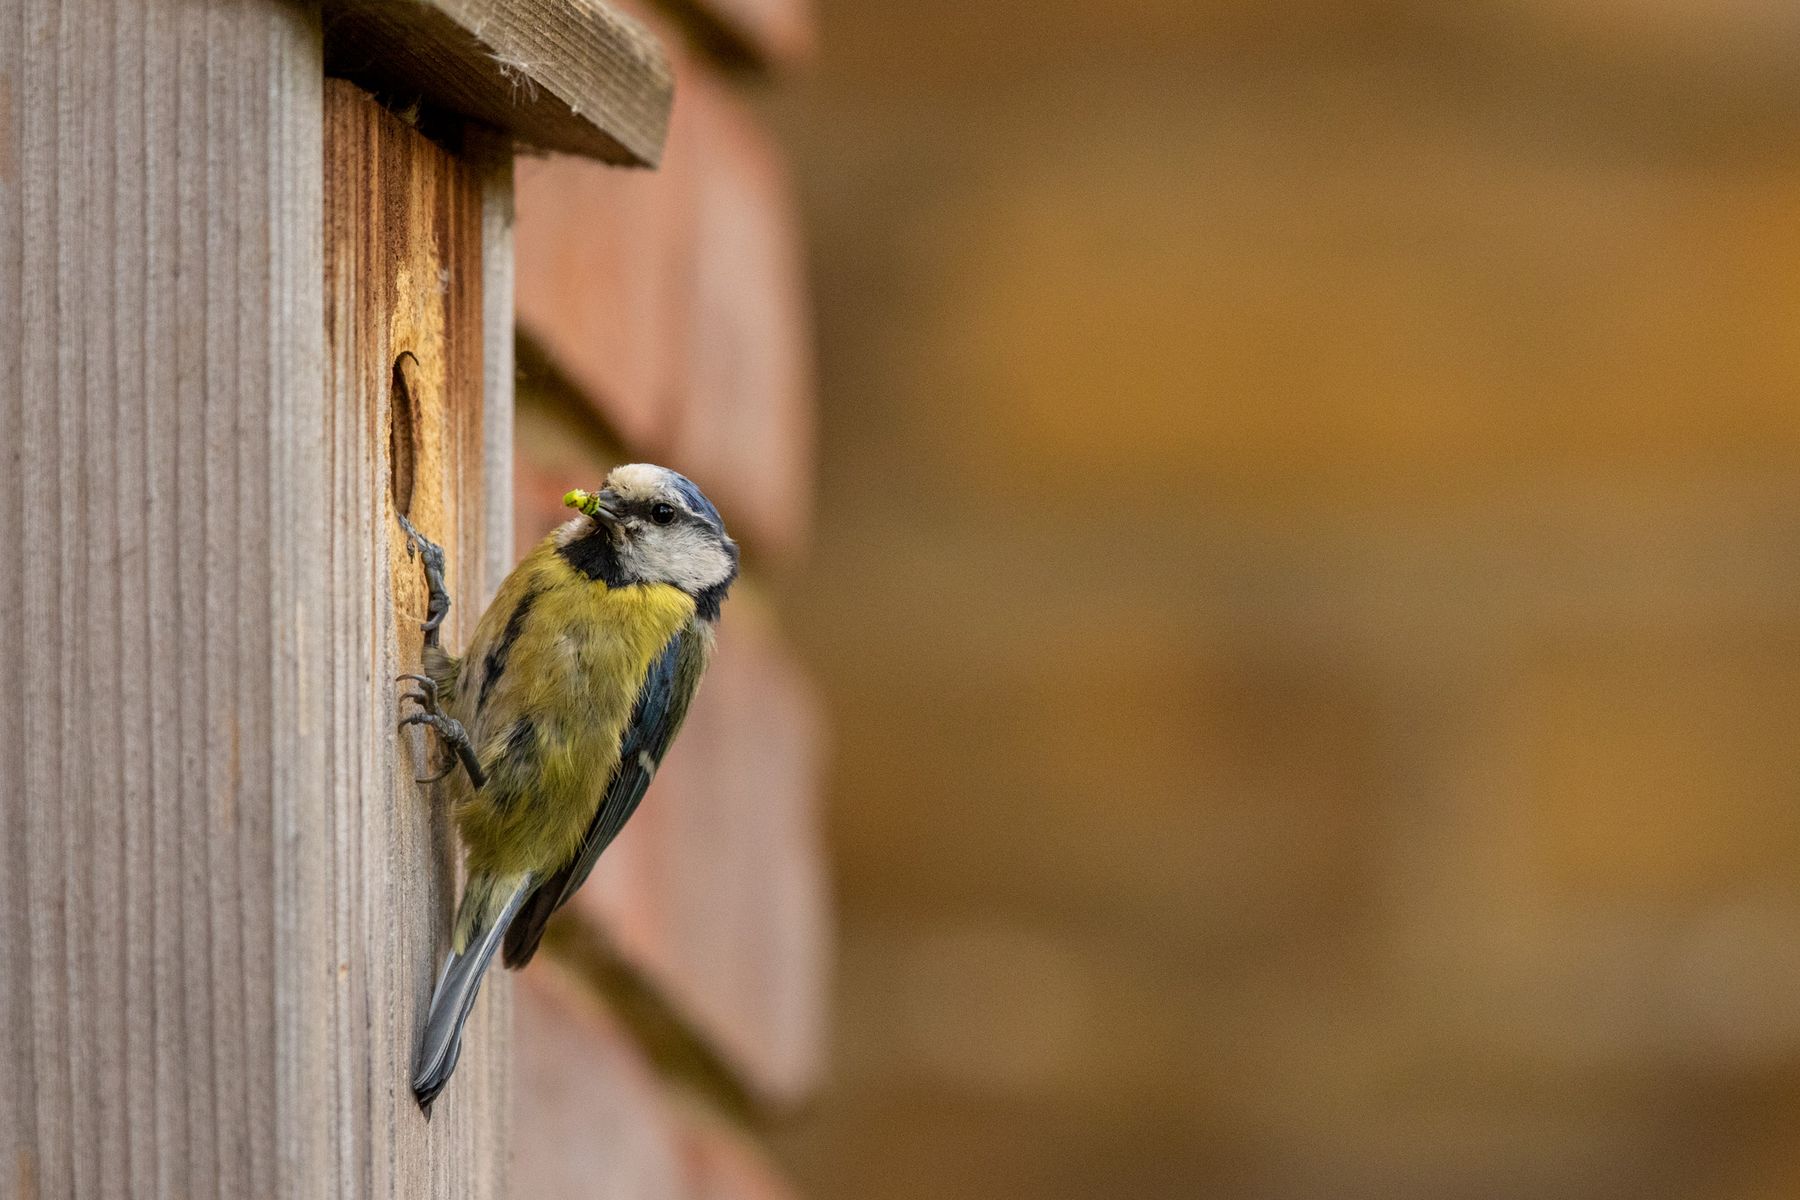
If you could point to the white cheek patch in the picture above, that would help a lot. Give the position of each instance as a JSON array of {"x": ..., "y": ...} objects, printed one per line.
[
  {"x": 709, "y": 566},
  {"x": 687, "y": 557}
]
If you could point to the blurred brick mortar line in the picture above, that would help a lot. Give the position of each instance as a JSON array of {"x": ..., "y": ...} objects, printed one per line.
[
  {"x": 597, "y": 1122},
  {"x": 746, "y": 35},
  {"x": 662, "y": 316}
]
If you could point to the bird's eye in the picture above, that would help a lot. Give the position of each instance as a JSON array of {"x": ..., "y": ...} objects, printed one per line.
[{"x": 662, "y": 514}]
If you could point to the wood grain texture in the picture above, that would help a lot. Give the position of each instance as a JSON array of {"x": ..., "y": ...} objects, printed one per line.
[
  {"x": 225, "y": 895},
  {"x": 163, "y": 960},
  {"x": 403, "y": 262},
  {"x": 492, "y": 155},
  {"x": 570, "y": 75}
]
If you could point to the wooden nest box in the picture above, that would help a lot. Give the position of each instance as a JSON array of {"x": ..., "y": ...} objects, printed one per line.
[{"x": 255, "y": 299}]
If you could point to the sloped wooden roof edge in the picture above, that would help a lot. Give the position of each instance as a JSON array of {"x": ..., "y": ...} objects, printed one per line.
[{"x": 571, "y": 75}]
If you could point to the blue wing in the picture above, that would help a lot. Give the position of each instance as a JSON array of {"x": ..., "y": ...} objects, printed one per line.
[{"x": 661, "y": 706}]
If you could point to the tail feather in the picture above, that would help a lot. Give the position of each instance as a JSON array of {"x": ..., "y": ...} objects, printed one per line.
[{"x": 454, "y": 998}]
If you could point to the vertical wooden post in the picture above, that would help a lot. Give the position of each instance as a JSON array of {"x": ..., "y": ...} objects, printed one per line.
[
  {"x": 226, "y": 896},
  {"x": 491, "y": 153},
  {"x": 162, "y": 605}
]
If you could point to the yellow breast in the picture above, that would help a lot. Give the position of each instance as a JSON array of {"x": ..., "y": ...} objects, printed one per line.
[{"x": 549, "y": 723}]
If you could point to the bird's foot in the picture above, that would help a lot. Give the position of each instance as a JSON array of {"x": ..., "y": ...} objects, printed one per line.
[{"x": 449, "y": 729}]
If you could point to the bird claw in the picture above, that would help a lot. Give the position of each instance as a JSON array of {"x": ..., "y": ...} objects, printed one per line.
[
  {"x": 448, "y": 728},
  {"x": 440, "y": 776},
  {"x": 426, "y": 684}
]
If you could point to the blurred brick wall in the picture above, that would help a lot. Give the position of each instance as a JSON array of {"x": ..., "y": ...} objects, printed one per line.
[
  {"x": 1305, "y": 586},
  {"x": 679, "y": 1006}
]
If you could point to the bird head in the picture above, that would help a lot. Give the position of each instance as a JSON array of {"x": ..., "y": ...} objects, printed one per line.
[{"x": 657, "y": 527}]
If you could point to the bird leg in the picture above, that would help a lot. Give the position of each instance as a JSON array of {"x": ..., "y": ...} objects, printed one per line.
[
  {"x": 437, "y": 597},
  {"x": 448, "y": 728}
]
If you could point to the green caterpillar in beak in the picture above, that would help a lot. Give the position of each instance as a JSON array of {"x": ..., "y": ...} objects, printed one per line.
[{"x": 583, "y": 502}]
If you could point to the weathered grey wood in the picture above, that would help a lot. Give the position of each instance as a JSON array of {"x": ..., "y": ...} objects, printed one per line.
[
  {"x": 571, "y": 75},
  {"x": 225, "y": 897},
  {"x": 493, "y": 156},
  {"x": 166, "y": 950}
]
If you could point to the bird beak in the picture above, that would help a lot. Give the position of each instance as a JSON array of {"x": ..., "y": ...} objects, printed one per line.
[
  {"x": 604, "y": 510},
  {"x": 606, "y": 517}
]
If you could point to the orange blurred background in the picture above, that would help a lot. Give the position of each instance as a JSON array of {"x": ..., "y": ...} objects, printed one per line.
[{"x": 1305, "y": 589}]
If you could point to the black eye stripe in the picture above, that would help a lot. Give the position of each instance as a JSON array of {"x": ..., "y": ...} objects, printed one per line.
[
  {"x": 646, "y": 510},
  {"x": 641, "y": 508}
]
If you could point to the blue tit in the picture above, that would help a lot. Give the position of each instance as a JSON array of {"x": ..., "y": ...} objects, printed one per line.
[{"x": 578, "y": 677}]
